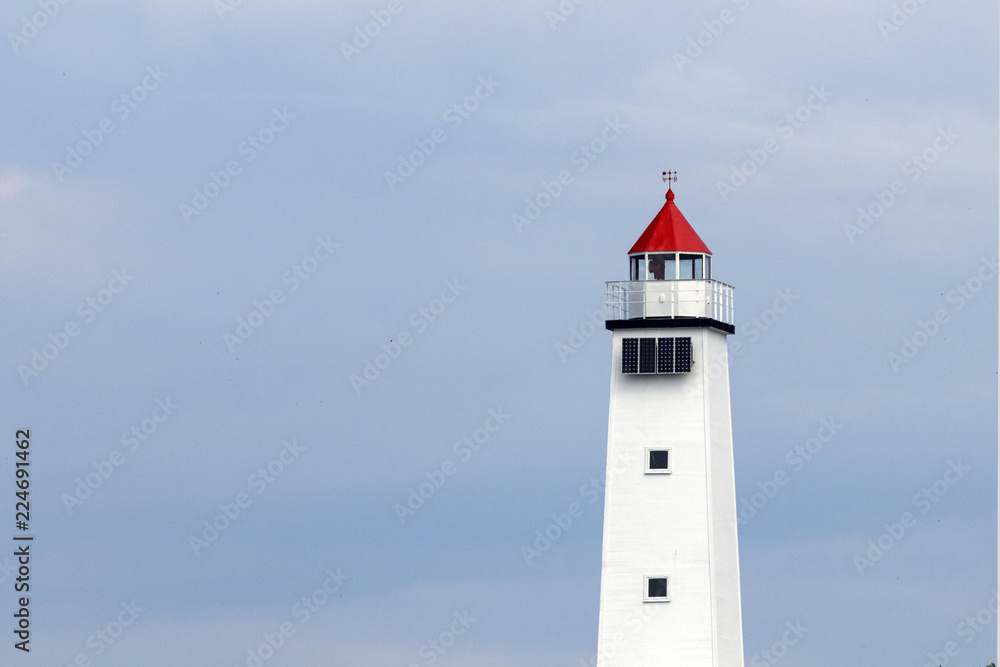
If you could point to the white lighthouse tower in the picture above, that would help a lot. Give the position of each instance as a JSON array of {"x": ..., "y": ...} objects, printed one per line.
[{"x": 670, "y": 582}]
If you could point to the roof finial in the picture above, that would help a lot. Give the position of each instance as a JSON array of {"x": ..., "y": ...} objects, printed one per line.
[{"x": 670, "y": 177}]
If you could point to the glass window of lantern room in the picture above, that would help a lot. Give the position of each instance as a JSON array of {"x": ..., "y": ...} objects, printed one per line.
[
  {"x": 708, "y": 267},
  {"x": 687, "y": 267},
  {"x": 638, "y": 268},
  {"x": 662, "y": 267}
]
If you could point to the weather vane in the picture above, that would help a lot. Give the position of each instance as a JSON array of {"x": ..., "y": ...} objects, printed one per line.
[{"x": 670, "y": 177}]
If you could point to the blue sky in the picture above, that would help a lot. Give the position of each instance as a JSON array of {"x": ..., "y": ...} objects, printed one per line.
[{"x": 179, "y": 176}]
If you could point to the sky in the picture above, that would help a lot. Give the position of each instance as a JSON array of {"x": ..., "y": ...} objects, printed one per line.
[{"x": 304, "y": 309}]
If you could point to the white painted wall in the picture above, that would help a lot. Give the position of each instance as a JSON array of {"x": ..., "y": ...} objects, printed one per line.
[{"x": 682, "y": 524}]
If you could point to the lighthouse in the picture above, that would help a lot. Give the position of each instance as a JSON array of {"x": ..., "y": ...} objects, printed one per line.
[{"x": 670, "y": 581}]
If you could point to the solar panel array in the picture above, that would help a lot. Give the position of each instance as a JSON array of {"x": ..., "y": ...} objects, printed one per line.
[{"x": 656, "y": 355}]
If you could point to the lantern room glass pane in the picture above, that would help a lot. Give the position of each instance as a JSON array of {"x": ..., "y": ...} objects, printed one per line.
[
  {"x": 687, "y": 267},
  {"x": 662, "y": 267},
  {"x": 638, "y": 268},
  {"x": 692, "y": 267}
]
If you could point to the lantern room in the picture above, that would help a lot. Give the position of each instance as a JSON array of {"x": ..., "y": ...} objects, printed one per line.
[
  {"x": 670, "y": 279},
  {"x": 670, "y": 266}
]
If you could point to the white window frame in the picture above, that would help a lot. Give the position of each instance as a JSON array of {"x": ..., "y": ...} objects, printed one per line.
[
  {"x": 645, "y": 588},
  {"x": 659, "y": 471}
]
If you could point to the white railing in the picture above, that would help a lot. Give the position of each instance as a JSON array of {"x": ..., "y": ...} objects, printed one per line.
[{"x": 669, "y": 298}]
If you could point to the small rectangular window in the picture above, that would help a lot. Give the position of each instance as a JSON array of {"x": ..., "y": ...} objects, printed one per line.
[
  {"x": 658, "y": 461},
  {"x": 657, "y": 588}
]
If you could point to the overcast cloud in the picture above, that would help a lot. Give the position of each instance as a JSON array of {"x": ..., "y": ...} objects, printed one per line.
[{"x": 214, "y": 215}]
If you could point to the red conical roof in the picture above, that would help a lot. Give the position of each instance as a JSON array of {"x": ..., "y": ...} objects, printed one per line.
[{"x": 670, "y": 232}]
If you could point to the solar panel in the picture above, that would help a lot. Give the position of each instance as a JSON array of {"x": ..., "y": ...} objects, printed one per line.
[
  {"x": 682, "y": 355},
  {"x": 664, "y": 355},
  {"x": 647, "y": 355},
  {"x": 630, "y": 355}
]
